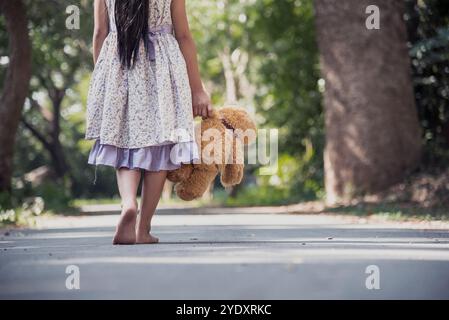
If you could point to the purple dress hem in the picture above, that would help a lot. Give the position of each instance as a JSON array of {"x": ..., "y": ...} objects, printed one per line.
[{"x": 152, "y": 158}]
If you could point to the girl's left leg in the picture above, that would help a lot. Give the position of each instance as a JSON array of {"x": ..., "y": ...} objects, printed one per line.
[{"x": 153, "y": 183}]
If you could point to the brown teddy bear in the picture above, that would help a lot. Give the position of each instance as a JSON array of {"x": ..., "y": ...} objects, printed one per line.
[{"x": 220, "y": 139}]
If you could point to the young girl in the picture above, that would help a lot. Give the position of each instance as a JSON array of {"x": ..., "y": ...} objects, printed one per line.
[{"x": 144, "y": 93}]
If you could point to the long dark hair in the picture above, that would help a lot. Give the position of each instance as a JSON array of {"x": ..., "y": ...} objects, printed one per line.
[{"x": 131, "y": 18}]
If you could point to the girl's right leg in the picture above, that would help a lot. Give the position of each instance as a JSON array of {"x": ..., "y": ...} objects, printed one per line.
[
  {"x": 153, "y": 183},
  {"x": 128, "y": 182}
]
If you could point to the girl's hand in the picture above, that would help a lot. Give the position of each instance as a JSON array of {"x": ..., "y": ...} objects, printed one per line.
[{"x": 201, "y": 104}]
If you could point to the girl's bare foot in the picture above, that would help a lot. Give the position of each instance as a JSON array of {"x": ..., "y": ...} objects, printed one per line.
[
  {"x": 146, "y": 238},
  {"x": 126, "y": 228}
]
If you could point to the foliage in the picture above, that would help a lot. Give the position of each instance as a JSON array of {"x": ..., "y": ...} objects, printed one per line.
[
  {"x": 288, "y": 96},
  {"x": 222, "y": 30},
  {"x": 23, "y": 215},
  {"x": 428, "y": 25}
]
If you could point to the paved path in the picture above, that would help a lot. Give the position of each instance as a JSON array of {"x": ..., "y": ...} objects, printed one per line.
[{"x": 238, "y": 255}]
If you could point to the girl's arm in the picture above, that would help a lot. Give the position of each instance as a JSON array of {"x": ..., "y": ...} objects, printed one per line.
[
  {"x": 200, "y": 99},
  {"x": 101, "y": 28}
]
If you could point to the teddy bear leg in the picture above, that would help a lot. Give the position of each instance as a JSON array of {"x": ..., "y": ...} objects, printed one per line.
[
  {"x": 232, "y": 174},
  {"x": 180, "y": 174},
  {"x": 195, "y": 185}
]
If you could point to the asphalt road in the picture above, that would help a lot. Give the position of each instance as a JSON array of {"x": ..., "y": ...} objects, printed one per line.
[{"x": 215, "y": 254}]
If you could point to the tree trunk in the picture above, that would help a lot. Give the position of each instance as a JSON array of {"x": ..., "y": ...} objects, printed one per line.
[
  {"x": 56, "y": 150},
  {"x": 231, "y": 87},
  {"x": 15, "y": 86},
  {"x": 373, "y": 137}
]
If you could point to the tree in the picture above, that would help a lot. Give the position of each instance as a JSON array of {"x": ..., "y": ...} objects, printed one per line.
[
  {"x": 373, "y": 137},
  {"x": 59, "y": 58},
  {"x": 15, "y": 87}
]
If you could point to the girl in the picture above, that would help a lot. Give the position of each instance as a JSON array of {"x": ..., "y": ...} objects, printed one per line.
[{"x": 144, "y": 93}]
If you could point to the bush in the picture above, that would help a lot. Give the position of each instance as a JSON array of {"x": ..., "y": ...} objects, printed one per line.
[
  {"x": 259, "y": 196},
  {"x": 55, "y": 196},
  {"x": 24, "y": 215},
  {"x": 293, "y": 182}
]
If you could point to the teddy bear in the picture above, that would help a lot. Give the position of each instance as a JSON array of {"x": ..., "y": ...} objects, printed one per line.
[{"x": 220, "y": 139}]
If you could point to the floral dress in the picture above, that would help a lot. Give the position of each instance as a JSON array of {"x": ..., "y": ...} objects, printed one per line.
[{"x": 141, "y": 118}]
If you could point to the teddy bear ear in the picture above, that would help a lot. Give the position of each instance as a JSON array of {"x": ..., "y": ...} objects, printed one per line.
[
  {"x": 214, "y": 114},
  {"x": 239, "y": 119}
]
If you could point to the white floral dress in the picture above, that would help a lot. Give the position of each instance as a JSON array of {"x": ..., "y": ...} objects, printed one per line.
[{"x": 144, "y": 110}]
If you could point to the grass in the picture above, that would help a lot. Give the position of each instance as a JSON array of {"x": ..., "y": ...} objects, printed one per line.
[
  {"x": 389, "y": 211},
  {"x": 393, "y": 211},
  {"x": 77, "y": 203}
]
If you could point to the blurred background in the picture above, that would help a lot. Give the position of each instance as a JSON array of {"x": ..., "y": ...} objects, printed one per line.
[{"x": 363, "y": 115}]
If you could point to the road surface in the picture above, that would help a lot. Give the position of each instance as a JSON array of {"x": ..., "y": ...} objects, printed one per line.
[{"x": 227, "y": 254}]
